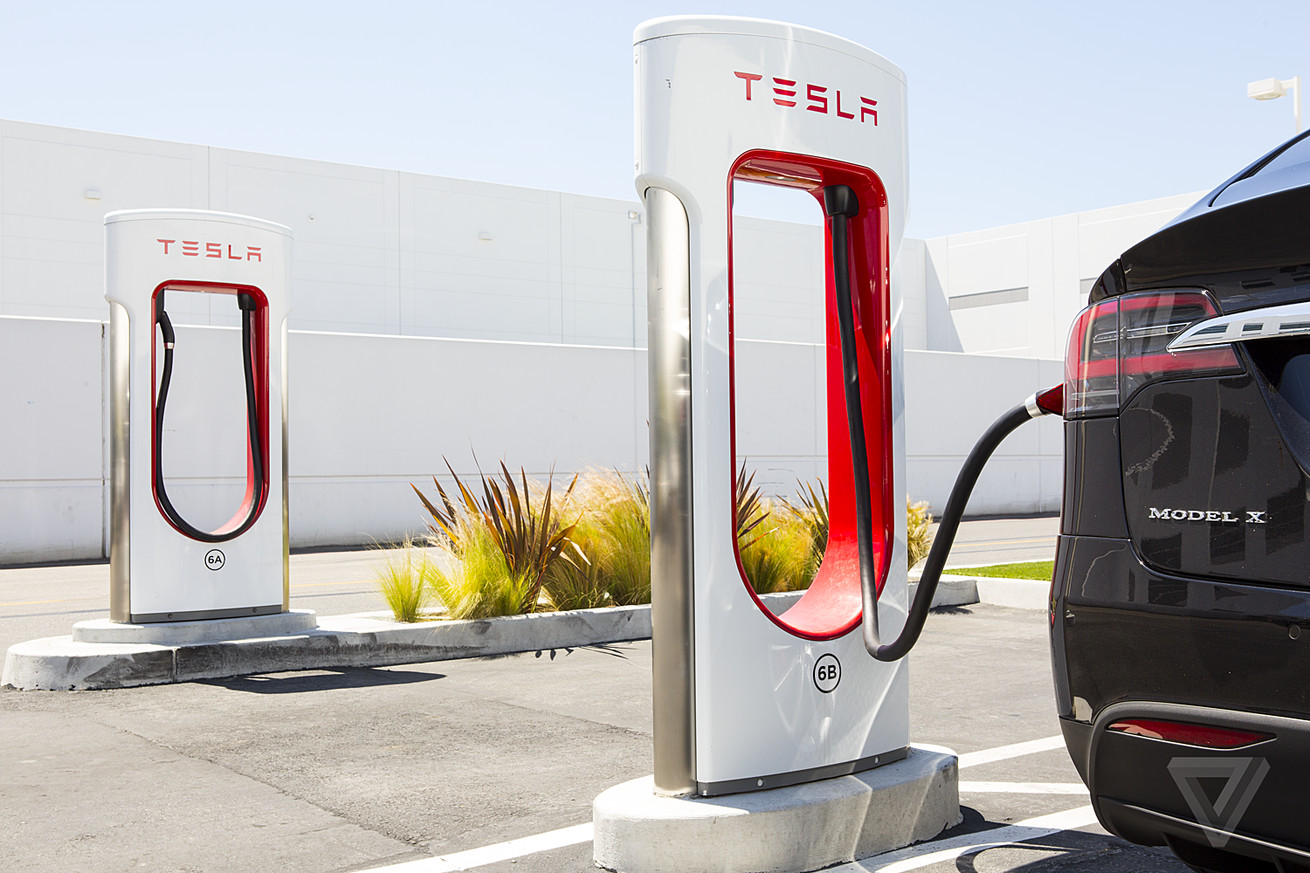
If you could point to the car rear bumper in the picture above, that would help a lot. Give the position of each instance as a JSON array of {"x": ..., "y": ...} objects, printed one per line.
[{"x": 1248, "y": 799}]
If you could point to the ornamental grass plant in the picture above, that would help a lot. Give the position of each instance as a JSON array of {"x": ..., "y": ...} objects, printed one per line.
[
  {"x": 521, "y": 546},
  {"x": 519, "y": 523},
  {"x": 477, "y": 582},
  {"x": 918, "y": 536},
  {"x": 402, "y": 583},
  {"x": 611, "y": 564},
  {"x": 780, "y": 554},
  {"x": 778, "y": 549}
]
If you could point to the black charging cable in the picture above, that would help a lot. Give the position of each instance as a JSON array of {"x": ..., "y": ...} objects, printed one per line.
[
  {"x": 841, "y": 205},
  {"x": 255, "y": 489}
]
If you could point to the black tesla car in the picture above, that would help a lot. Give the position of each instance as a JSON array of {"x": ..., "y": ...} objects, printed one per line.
[{"x": 1180, "y": 606}]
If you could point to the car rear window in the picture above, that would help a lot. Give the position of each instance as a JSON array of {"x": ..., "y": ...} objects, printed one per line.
[
  {"x": 1297, "y": 153},
  {"x": 1290, "y": 168}
]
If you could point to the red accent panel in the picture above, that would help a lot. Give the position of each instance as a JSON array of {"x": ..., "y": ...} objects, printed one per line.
[
  {"x": 1204, "y": 736},
  {"x": 832, "y": 605},
  {"x": 259, "y": 359}
]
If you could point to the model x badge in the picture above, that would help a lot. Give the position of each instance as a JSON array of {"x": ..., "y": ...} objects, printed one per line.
[{"x": 1221, "y": 516}]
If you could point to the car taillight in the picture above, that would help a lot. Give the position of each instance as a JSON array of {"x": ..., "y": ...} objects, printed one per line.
[
  {"x": 1118, "y": 346},
  {"x": 1091, "y": 366},
  {"x": 1205, "y": 736}
]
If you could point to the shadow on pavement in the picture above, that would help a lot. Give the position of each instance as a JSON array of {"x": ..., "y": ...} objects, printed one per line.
[
  {"x": 321, "y": 680},
  {"x": 1072, "y": 852}
]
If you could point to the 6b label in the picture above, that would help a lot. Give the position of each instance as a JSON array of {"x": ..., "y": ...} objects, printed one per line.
[{"x": 827, "y": 673}]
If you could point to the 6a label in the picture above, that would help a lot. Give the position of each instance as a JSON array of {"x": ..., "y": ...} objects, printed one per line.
[{"x": 215, "y": 559}]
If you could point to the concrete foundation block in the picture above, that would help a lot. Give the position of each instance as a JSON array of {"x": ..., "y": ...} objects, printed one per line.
[
  {"x": 183, "y": 633},
  {"x": 782, "y": 830}
]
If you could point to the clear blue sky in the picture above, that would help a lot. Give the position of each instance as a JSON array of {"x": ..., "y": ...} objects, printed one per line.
[{"x": 1017, "y": 110}]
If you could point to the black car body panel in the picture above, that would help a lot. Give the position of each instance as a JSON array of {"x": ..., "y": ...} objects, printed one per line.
[{"x": 1182, "y": 577}]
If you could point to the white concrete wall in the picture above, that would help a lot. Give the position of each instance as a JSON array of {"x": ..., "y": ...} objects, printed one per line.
[
  {"x": 436, "y": 316},
  {"x": 1050, "y": 264},
  {"x": 53, "y": 498},
  {"x": 370, "y": 414},
  {"x": 950, "y": 399},
  {"x": 376, "y": 251}
]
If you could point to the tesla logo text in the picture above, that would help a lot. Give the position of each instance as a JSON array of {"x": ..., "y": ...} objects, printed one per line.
[
  {"x": 1211, "y": 515},
  {"x": 816, "y": 98},
  {"x": 227, "y": 251}
]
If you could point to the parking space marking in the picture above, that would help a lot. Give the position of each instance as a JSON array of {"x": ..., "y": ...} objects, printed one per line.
[
  {"x": 583, "y": 833},
  {"x": 1015, "y": 750},
  {"x": 1023, "y": 788},
  {"x": 506, "y": 851},
  {"x": 930, "y": 853}
]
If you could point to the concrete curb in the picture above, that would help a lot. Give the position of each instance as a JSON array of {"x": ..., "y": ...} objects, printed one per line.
[
  {"x": 84, "y": 661},
  {"x": 1015, "y": 593},
  {"x": 955, "y": 590},
  {"x": 798, "y": 828},
  {"x": 362, "y": 640},
  {"x": 951, "y": 591}
]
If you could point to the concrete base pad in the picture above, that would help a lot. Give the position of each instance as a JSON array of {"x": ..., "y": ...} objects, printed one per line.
[
  {"x": 182, "y": 633},
  {"x": 783, "y": 830},
  {"x": 366, "y": 640}
]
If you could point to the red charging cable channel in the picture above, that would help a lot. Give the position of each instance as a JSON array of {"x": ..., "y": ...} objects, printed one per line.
[{"x": 253, "y": 501}]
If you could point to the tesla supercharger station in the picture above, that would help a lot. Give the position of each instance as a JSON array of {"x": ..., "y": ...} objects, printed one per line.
[
  {"x": 164, "y": 566},
  {"x": 745, "y": 699}
]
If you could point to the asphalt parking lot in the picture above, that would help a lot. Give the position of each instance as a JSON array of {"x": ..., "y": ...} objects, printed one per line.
[
  {"x": 434, "y": 767},
  {"x": 453, "y": 765}
]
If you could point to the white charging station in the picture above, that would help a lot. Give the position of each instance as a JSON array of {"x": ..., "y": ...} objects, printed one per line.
[
  {"x": 745, "y": 699},
  {"x": 163, "y": 567},
  {"x": 781, "y": 740}
]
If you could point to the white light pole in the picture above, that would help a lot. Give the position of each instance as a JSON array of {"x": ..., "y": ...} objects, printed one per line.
[{"x": 1269, "y": 89}]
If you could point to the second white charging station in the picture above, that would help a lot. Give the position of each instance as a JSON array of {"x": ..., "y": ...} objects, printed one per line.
[
  {"x": 164, "y": 565},
  {"x": 745, "y": 699}
]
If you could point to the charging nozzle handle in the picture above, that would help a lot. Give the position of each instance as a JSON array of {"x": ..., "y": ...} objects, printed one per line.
[{"x": 165, "y": 324}]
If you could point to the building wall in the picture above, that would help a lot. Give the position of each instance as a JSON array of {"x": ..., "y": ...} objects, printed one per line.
[
  {"x": 435, "y": 317},
  {"x": 1014, "y": 290},
  {"x": 370, "y": 414}
]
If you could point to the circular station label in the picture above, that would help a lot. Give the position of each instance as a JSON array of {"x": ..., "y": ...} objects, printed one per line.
[
  {"x": 827, "y": 673},
  {"x": 215, "y": 559}
]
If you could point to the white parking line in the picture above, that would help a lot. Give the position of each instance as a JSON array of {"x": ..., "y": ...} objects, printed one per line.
[
  {"x": 917, "y": 857},
  {"x": 582, "y": 833},
  {"x": 1015, "y": 750},
  {"x": 1022, "y": 788},
  {"x": 569, "y": 836}
]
